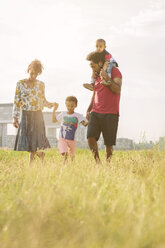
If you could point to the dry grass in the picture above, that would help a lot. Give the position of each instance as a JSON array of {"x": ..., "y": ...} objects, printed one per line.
[{"x": 83, "y": 205}]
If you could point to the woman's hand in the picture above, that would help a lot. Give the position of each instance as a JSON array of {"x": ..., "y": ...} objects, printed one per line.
[
  {"x": 15, "y": 122},
  {"x": 55, "y": 106}
]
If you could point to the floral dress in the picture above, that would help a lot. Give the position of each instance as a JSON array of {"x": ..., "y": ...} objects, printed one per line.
[
  {"x": 31, "y": 134},
  {"x": 30, "y": 99}
]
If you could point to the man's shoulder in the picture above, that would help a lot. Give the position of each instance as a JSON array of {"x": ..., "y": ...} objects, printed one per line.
[{"x": 116, "y": 73}]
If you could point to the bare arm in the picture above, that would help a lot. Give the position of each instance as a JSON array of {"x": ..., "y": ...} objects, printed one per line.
[
  {"x": 115, "y": 84},
  {"x": 15, "y": 122},
  {"x": 90, "y": 106},
  {"x": 54, "y": 119},
  {"x": 16, "y": 106},
  {"x": 84, "y": 123}
]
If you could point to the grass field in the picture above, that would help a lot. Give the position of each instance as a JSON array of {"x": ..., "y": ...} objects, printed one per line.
[{"x": 83, "y": 205}]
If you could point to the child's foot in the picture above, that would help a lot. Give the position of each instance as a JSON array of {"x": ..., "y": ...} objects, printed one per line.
[
  {"x": 88, "y": 86},
  {"x": 105, "y": 83}
]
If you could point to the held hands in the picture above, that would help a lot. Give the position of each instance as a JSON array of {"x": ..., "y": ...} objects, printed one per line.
[
  {"x": 104, "y": 75},
  {"x": 15, "y": 122},
  {"x": 55, "y": 106},
  {"x": 84, "y": 123}
]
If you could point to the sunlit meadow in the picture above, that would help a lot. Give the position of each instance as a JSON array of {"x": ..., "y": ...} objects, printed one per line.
[{"x": 81, "y": 204}]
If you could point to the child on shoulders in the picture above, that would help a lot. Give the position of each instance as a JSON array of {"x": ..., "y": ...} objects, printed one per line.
[{"x": 110, "y": 62}]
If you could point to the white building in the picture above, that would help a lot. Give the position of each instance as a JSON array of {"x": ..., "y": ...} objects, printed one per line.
[{"x": 8, "y": 132}]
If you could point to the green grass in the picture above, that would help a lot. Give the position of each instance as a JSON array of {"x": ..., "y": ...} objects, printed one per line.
[{"x": 81, "y": 204}]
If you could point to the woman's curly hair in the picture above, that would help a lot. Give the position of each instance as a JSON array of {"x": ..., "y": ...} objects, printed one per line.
[{"x": 36, "y": 65}]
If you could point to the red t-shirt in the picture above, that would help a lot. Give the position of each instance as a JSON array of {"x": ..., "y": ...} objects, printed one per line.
[{"x": 105, "y": 101}]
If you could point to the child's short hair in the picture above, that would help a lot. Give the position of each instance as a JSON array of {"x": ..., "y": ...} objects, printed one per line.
[
  {"x": 71, "y": 99},
  {"x": 36, "y": 65},
  {"x": 101, "y": 40}
]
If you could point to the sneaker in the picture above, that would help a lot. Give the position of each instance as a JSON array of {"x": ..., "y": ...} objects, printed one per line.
[
  {"x": 105, "y": 83},
  {"x": 88, "y": 86}
]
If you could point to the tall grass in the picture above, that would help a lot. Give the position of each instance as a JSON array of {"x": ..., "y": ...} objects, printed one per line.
[{"x": 81, "y": 204}]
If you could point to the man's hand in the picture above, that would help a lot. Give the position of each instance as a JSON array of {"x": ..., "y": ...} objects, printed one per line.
[
  {"x": 55, "y": 106},
  {"x": 104, "y": 75},
  {"x": 87, "y": 115},
  {"x": 115, "y": 87},
  {"x": 15, "y": 122},
  {"x": 105, "y": 66}
]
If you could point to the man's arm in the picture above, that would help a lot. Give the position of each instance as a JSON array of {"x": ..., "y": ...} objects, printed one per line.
[
  {"x": 115, "y": 83},
  {"x": 90, "y": 106}
]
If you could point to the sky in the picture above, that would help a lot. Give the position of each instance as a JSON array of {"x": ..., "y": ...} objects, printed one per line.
[{"x": 61, "y": 33}]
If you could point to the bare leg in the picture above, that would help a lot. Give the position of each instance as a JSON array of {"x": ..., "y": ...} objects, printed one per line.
[
  {"x": 65, "y": 156},
  {"x": 72, "y": 157},
  {"x": 31, "y": 157},
  {"x": 41, "y": 155},
  {"x": 71, "y": 152},
  {"x": 89, "y": 86},
  {"x": 94, "y": 148},
  {"x": 109, "y": 151}
]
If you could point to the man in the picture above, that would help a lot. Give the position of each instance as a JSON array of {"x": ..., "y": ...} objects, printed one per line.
[{"x": 103, "y": 111}]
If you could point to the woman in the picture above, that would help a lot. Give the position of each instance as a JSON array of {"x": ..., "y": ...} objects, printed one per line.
[{"x": 30, "y": 97}]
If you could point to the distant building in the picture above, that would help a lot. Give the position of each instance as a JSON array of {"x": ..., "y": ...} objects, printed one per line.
[
  {"x": 124, "y": 144},
  {"x": 52, "y": 129},
  {"x": 52, "y": 132},
  {"x": 144, "y": 145},
  {"x": 121, "y": 144},
  {"x": 161, "y": 142},
  {"x": 5, "y": 119}
]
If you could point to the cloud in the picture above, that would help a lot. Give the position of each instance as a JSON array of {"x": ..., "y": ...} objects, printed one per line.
[{"x": 149, "y": 22}]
